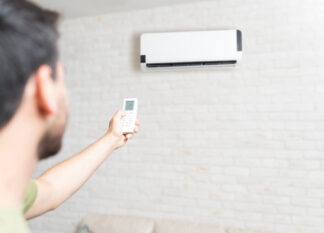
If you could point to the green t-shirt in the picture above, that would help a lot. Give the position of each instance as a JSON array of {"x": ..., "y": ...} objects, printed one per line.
[{"x": 13, "y": 220}]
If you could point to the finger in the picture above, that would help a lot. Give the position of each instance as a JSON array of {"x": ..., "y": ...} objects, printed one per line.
[
  {"x": 137, "y": 123},
  {"x": 129, "y": 136},
  {"x": 123, "y": 113},
  {"x": 119, "y": 114},
  {"x": 136, "y": 130}
]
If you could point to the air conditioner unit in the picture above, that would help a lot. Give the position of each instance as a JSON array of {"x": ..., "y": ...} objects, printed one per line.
[{"x": 173, "y": 50}]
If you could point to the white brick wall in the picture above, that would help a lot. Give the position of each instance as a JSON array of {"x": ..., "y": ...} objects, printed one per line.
[{"x": 240, "y": 148}]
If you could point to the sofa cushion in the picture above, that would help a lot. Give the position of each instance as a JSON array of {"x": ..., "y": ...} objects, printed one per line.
[
  {"x": 99, "y": 223},
  {"x": 169, "y": 226},
  {"x": 105, "y": 223},
  {"x": 235, "y": 230}
]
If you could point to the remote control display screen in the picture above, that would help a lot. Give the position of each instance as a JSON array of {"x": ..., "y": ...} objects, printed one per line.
[{"x": 129, "y": 105}]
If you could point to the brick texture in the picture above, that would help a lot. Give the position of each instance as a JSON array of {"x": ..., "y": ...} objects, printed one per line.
[{"x": 236, "y": 148}]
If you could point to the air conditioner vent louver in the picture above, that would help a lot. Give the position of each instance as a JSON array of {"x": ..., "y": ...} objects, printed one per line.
[{"x": 182, "y": 64}]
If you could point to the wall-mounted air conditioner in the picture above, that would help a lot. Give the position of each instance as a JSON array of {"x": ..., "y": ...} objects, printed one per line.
[{"x": 173, "y": 50}]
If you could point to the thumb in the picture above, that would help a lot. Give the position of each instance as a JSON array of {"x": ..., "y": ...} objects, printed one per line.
[{"x": 119, "y": 114}]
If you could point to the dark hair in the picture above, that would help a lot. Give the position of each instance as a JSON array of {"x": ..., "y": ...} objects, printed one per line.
[{"x": 28, "y": 39}]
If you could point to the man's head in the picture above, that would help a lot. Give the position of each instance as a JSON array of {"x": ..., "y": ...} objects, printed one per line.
[{"x": 31, "y": 77}]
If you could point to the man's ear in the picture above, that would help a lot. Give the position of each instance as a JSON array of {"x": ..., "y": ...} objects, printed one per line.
[{"x": 45, "y": 90}]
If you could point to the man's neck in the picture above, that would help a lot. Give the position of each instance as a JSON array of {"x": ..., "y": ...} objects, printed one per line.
[{"x": 18, "y": 158}]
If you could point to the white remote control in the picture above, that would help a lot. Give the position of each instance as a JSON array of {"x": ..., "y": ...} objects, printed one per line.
[{"x": 129, "y": 121}]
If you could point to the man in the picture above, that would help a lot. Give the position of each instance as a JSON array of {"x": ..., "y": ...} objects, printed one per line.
[{"x": 33, "y": 114}]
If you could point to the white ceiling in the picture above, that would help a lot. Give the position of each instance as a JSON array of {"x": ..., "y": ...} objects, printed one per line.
[{"x": 81, "y": 8}]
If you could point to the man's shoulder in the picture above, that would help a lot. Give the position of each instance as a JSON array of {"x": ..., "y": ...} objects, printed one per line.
[{"x": 12, "y": 221}]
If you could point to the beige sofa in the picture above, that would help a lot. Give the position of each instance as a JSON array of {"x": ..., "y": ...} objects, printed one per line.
[{"x": 99, "y": 223}]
